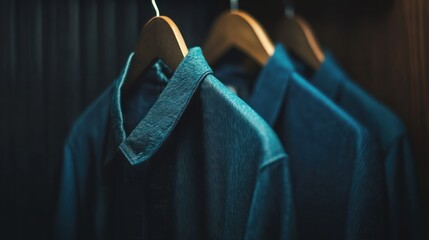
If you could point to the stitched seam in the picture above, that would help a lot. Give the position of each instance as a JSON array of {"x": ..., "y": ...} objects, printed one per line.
[{"x": 275, "y": 160}]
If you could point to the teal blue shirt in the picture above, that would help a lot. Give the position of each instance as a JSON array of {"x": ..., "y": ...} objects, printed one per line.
[
  {"x": 177, "y": 157},
  {"x": 337, "y": 177},
  {"x": 405, "y": 210}
]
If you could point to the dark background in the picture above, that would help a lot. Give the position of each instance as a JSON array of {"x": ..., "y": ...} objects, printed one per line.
[{"x": 57, "y": 56}]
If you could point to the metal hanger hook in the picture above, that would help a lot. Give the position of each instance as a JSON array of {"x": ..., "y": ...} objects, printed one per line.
[
  {"x": 289, "y": 8},
  {"x": 233, "y": 5},
  {"x": 155, "y": 7}
]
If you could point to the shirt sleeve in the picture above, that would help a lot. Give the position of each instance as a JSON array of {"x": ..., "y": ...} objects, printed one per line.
[
  {"x": 65, "y": 226},
  {"x": 272, "y": 212},
  {"x": 403, "y": 193},
  {"x": 367, "y": 210}
]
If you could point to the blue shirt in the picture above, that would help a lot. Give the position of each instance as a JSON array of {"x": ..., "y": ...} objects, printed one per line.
[
  {"x": 179, "y": 156},
  {"x": 405, "y": 210},
  {"x": 337, "y": 178}
]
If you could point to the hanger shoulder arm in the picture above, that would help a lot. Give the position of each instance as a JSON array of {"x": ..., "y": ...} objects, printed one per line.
[
  {"x": 297, "y": 36},
  {"x": 238, "y": 29},
  {"x": 159, "y": 38}
]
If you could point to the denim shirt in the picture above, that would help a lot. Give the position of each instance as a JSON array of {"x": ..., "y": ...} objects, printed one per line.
[
  {"x": 337, "y": 178},
  {"x": 405, "y": 210},
  {"x": 178, "y": 156}
]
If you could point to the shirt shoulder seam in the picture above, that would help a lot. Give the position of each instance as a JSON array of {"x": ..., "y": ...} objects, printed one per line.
[{"x": 272, "y": 162}]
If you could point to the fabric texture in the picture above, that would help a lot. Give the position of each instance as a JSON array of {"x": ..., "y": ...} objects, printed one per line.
[
  {"x": 338, "y": 181},
  {"x": 177, "y": 156},
  {"x": 405, "y": 210}
]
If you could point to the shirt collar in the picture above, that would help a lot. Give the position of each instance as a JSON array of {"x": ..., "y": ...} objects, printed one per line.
[
  {"x": 271, "y": 84},
  {"x": 159, "y": 122},
  {"x": 328, "y": 77}
]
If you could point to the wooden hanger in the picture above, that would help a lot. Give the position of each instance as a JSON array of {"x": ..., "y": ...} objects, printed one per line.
[
  {"x": 159, "y": 38},
  {"x": 296, "y": 34},
  {"x": 238, "y": 29}
]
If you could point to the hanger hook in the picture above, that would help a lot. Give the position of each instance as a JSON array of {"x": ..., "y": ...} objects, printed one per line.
[
  {"x": 289, "y": 8},
  {"x": 233, "y": 5},
  {"x": 155, "y": 7}
]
